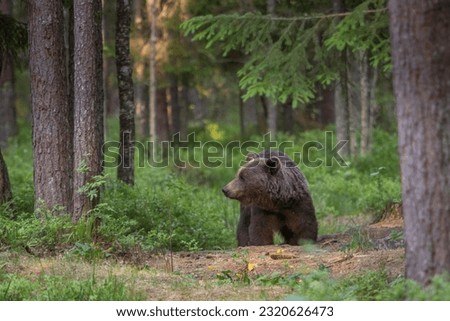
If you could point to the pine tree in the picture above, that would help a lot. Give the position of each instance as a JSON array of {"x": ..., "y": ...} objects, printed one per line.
[
  {"x": 125, "y": 170},
  {"x": 421, "y": 55},
  {"x": 88, "y": 113}
]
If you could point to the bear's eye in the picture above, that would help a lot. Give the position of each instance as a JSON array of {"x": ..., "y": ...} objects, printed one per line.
[{"x": 241, "y": 177}]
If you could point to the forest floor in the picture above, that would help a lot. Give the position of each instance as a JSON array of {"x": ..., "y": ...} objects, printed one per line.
[{"x": 233, "y": 274}]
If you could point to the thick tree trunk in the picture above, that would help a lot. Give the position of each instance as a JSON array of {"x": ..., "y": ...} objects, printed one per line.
[
  {"x": 5, "y": 188},
  {"x": 8, "y": 121},
  {"x": 52, "y": 154},
  {"x": 421, "y": 57},
  {"x": 70, "y": 47},
  {"x": 125, "y": 170},
  {"x": 88, "y": 117}
]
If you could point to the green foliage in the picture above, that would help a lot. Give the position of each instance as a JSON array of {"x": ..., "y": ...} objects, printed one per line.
[
  {"x": 188, "y": 211},
  {"x": 89, "y": 251},
  {"x": 369, "y": 286},
  {"x": 289, "y": 56},
  {"x": 164, "y": 211},
  {"x": 14, "y": 287},
  {"x": 366, "y": 29}
]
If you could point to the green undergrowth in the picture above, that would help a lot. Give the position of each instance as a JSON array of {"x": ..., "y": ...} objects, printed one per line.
[
  {"x": 369, "y": 286},
  {"x": 184, "y": 208},
  {"x": 14, "y": 287}
]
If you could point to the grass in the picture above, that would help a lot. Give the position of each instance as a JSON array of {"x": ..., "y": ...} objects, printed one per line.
[{"x": 24, "y": 277}]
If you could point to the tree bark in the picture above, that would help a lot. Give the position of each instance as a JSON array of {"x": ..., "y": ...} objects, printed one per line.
[
  {"x": 125, "y": 170},
  {"x": 288, "y": 117},
  {"x": 241, "y": 113},
  {"x": 141, "y": 67},
  {"x": 341, "y": 109},
  {"x": 175, "y": 105},
  {"x": 70, "y": 47},
  {"x": 162, "y": 120},
  {"x": 88, "y": 116},
  {"x": 153, "y": 10},
  {"x": 421, "y": 57},
  {"x": 8, "y": 123},
  {"x": 109, "y": 68},
  {"x": 342, "y": 115},
  {"x": 365, "y": 103},
  {"x": 272, "y": 112},
  {"x": 326, "y": 106},
  {"x": 5, "y": 188},
  {"x": 353, "y": 100},
  {"x": 52, "y": 155}
]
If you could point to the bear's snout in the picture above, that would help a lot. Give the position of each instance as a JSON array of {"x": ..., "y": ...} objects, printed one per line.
[
  {"x": 225, "y": 191},
  {"x": 229, "y": 191}
]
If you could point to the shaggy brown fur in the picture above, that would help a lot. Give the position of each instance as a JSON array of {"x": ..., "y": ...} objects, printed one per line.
[{"x": 274, "y": 197}]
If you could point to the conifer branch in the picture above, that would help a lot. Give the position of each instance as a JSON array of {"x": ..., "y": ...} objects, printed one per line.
[{"x": 303, "y": 18}]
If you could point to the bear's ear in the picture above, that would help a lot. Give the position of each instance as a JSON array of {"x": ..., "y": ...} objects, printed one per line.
[
  {"x": 251, "y": 156},
  {"x": 274, "y": 164}
]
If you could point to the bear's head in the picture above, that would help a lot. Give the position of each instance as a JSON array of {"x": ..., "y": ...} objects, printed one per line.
[{"x": 257, "y": 182}]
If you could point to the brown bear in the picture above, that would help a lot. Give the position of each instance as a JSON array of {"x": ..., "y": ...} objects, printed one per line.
[{"x": 274, "y": 197}]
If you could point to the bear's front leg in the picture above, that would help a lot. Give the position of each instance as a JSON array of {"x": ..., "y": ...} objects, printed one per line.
[
  {"x": 262, "y": 227},
  {"x": 243, "y": 226}
]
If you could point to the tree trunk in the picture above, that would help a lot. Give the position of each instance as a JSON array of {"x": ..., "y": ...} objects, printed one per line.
[
  {"x": 88, "y": 117},
  {"x": 288, "y": 117},
  {"x": 327, "y": 106},
  {"x": 342, "y": 115},
  {"x": 365, "y": 102},
  {"x": 162, "y": 120},
  {"x": 175, "y": 105},
  {"x": 353, "y": 100},
  {"x": 109, "y": 68},
  {"x": 271, "y": 104},
  {"x": 153, "y": 10},
  {"x": 70, "y": 47},
  {"x": 141, "y": 66},
  {"x": 5, "y": 188},
  {"x": 8, "y": 121},
  {"x": 341, "y": 109},
  {"x": 241, "y": 113},
  {"x": 125, "y": 170},
  {"x": 421, "y": 57},
  {"x": 52, "y": 154}
]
